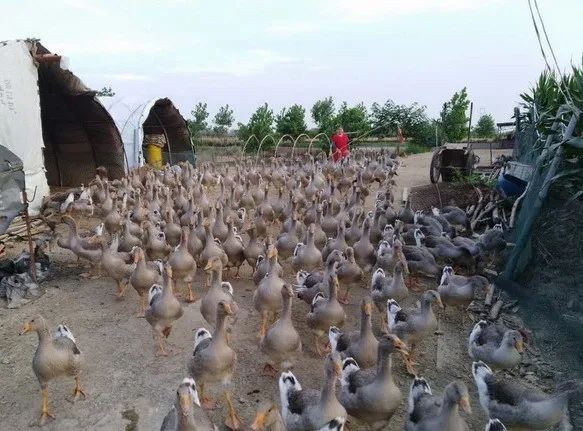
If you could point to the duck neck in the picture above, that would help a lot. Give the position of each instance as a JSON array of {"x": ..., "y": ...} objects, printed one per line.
[
  {"x": 385, "y": 366},
  {"x": 286, "y": 312},
  {"x": 450, "y": 408},
  {"x": 221, "y": 329},
  {"x": 329, "y": 389},
  {"x": 311, "y": 239},
  {"x": 365, "y": 325},
  {"x": 216, "y": 278},
  {"x": 44, "y": 336}
]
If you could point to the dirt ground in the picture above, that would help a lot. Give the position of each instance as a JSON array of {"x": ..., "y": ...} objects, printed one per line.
[{"x": 129, "y": 388}]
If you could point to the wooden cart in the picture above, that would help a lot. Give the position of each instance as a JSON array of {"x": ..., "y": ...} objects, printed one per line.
[{"x": 452, "y": 163}]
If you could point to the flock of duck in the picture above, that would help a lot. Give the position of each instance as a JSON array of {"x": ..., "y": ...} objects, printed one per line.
[{"x": 159, "y": 227}]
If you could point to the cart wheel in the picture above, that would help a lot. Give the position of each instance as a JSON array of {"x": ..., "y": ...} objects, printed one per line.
[{"x": 435, "y": 167}]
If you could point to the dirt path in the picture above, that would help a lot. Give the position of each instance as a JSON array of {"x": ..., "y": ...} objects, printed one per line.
[{"x": 130, "y": 389}]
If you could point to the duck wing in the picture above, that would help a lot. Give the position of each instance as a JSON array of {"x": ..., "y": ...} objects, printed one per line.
[
  {"x": 426, "y": 406},
  {"x": 299, "y": 400},
  {"x": 360, "y": 378},
  {"x": 65, "y": 343}
]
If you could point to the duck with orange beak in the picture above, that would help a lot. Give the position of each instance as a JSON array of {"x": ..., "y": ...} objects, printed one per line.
[
  {"x": 56, "y": 355},
  {"x": 186, "y": 413},
  {"x": 499, "y": 347},
  {"x": 429, "y": 412},
  {"x": 268, "y": 417}
]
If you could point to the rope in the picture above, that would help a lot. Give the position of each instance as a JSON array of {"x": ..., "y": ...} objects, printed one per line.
[{"x": 567, "y": 94}]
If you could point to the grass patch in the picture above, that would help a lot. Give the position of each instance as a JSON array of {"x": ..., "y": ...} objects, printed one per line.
[{"x": 413, "y": 148}]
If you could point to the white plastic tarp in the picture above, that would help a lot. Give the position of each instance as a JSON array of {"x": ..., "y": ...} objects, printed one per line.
[
  {"x": 129, "y": 116},
  {"x": 20, "y": 117}
]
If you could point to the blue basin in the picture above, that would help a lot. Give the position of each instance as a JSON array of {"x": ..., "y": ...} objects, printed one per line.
[{"x": 511, "y": 185}]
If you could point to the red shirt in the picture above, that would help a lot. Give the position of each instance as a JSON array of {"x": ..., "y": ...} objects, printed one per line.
[{"x": 340, "y": 141}]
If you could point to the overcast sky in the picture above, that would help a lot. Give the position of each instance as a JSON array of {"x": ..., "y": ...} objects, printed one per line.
[{"x": 249, "y": 52}]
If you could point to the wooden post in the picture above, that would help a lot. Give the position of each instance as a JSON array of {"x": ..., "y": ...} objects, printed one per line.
[
  {"x": 470, "y": 123},
  {"x": 32, "y": 267}
]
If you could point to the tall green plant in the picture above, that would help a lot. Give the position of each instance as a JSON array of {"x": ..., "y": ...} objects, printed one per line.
[
  {"x": 260, "y": 124},
  {"x": 454, "y": 118},
  {"x": 354, "y": 119},
  {"x": 291, "y": 121},
  {"x": 485, "y": 127},
  {"x": 198, "y": 122}
]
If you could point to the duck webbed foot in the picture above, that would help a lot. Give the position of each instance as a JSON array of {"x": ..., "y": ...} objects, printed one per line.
[
  {"x": 46, "y": 416},
  {"x": 269, "y": 370},
  {"x": 345, "y": 299},
  {"x": 233, "y": 420}
]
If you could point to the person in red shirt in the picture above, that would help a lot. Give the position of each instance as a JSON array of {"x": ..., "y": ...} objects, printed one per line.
[{"x": 340, "y": 148}]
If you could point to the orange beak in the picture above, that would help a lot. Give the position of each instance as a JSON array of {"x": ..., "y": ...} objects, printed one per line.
[
  {"x": 440, "y": 303},
  {"x": 208, "y": 266},
  {"x": 185, "y": 404},
  {"x": 259, "y": 421},
  {"x": 26, "y": 328},
  {"x": 519, "y": 345},
  {"x": 400, "y": 345},
  {"x": 464, "y": 404},
  {"x": 368, "y": 309}
]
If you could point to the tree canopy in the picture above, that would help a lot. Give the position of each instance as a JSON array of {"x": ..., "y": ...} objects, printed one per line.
[
  {"x": 291, "y": 121},
  {"x": 454, "y": 119},
  {"x": 353, "y": 119},
  {"x": 198, "y": 122},
  {"x": 323, "y": 115},
  {"x": 260, "y": 124},
  {"x": 224, "y": 119},
  {"x": 485, "y": 127}
]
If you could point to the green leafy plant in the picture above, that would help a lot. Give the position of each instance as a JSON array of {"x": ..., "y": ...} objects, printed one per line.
[
  {"x": 105, "y": 92},
  {"x": 198, "y": 122},
  {"x": 224, "y": 119},
  {"x": 354, "y": 120},
  {"x": 454, "y": 119},
  {"x": 323, "y": 115},
  {"x": 260, "y": 124},
  {"x": 291, "y": 121},
  {"x": 485, "y": 127}
]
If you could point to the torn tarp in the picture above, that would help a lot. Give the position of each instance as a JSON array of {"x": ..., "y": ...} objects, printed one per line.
[{"x": 11, "y": 187}]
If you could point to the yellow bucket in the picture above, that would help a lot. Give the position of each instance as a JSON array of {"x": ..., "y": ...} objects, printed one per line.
[{"x": 154, "y": 156}]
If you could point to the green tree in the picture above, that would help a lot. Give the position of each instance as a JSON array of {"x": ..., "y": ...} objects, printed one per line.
[
  {"x": 354, "y": 120},
  {"x": 198, "y": 122},
  {"x": 323, "y": 115},
  {"x": 454, "y": 119},
  {"x": 105, "y": 92},
  {"x": 260, "y": 124},
  {"x": 224, "y": 119},
  {"x": 291, "y": 121},
  {"x": 485, "y": 127},
  {"x": 386, "y": 118}
]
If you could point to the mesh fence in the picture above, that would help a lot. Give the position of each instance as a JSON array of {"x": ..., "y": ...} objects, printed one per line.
[{"x": 549, "y": 267}]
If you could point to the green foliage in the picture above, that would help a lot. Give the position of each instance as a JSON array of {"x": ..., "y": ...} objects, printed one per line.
[
  {"x": 354, "y": 120},
  {"x": 388, "y": 117},
  {"x": 548, "y": 94},
  {"x": 198, "y": 122},
  {"x": 424, "y": 134},
  {"x": 454, "y": 120},
  {"x": 485, "y": 127},
  {"x": 415, "y": 148},
  {"x": 105, "y": 92},
  {"x": 323, "y": 115},
  {"x": 224, "y": 119},
  {"x": 260, "y": 124},
  {"x": 291, "y": 121}
]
